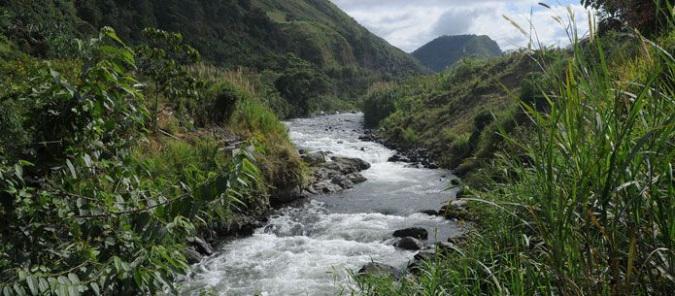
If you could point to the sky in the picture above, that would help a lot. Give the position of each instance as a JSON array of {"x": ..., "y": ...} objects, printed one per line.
[{"x": 409, "y": 24}]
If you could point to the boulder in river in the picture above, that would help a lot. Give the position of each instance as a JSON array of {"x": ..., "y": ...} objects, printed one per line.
[
  {"x": 357, "y": 178},
  {"x": 409, "y": 243},
  {"x": 192, "y": 256},
  {"x": 201, "y": 246},
  {"x": 315, "y": 158},
  {"x": 379, "y": 270},
  {"x": 338, "y": 174},
  {"x": 416, "y": 232},
  {"x": 350, "y": 165},
  {"x": 430, "y": 212}
]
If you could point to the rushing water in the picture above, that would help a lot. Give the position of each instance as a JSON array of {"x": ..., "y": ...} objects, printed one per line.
[{"x": 311, "y": 249}]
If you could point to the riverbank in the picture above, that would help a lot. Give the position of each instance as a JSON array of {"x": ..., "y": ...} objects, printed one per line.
[{"x": 568, "y": 202}]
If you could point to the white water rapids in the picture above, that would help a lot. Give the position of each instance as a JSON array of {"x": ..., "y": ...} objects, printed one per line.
[{"x": 311, "y": 249}]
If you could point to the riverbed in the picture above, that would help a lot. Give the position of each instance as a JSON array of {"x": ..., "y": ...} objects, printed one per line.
[{"x": 312, "y": 248}]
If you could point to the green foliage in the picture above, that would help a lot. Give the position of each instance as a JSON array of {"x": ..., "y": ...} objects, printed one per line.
[
  {"x": 163, "y": 59},
  {"x": 649, "y": 16},
  {"x": 582, "y": 201},
  {"x": 301, "y": 84},
  {"x": 445, "y": 51},
  {"x": 84, "y": 209},
  {"x": 462, "y": 100}
]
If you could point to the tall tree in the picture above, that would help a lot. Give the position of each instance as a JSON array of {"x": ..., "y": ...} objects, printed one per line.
[{"x": 649, "y": 16}]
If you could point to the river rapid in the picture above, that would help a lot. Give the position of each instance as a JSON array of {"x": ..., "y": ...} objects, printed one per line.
[{"x": 313, "y": 247}]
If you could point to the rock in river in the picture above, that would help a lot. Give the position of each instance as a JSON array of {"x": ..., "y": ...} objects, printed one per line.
[
  {"x": 379, "y": 270},
  {"x": 409, "y": 243},
  {"x": 416, "y": 232},
  {"x": 337, "y": 174}
]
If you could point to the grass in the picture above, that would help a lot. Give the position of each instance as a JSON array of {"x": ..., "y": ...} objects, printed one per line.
[{"x": 590, "y": 210}]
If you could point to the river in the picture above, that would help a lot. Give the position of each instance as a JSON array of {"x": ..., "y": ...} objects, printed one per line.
[{"x": 311, "y": 248}]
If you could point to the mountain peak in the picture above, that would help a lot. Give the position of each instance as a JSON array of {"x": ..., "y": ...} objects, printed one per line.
[{"x": 446, "y": 50}]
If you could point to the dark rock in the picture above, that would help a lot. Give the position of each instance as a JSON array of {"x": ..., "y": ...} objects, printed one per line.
[
  {"x": 201, "y": 246},
  {"x": 269, "y": 228},
  {"x": 416, "y": 232},
  {"x": 399, "y": 158},
  {"x": 343, "y": 182},
  {"x": 409, "y": 243},
  {"x": 192, "y": 256},
  {"x": 315, "y": 158},
  {"x": 351, "y": 165},
  {"x": 421, "y": 256},
  {"x": 379, "y": 270},
  {"x": 425, "y": 255},
  {"x": 445, "y": 247},
  {"x": 456, "y": 210},
  {"x": 430, "y": 212},
  {"x": 357, "y": 178},
  {"x": 287, "y": 195},
  {"x": 326, "y": 187}
]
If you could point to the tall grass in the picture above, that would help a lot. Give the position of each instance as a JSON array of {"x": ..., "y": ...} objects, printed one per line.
[{"x": 591, "y": 212}]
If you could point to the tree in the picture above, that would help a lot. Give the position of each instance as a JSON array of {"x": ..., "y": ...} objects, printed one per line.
[
  {"x": 162, "y": 59},
  {"x": 649, "y": 16},
  {"x": 301, "y": 83}
]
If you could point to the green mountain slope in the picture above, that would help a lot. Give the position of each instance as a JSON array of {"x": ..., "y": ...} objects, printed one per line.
[
  {"x": 257, "y": 34},
  {"x": 445, "y": 51}
]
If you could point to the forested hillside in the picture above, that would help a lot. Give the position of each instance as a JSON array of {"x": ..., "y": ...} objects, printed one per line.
[
  {"x": 298, "y": 41},
  {"x": 445, "y": 51}
]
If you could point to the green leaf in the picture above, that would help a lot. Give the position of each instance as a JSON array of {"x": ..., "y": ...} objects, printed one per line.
[
  {"x": 73, "y": 278},
  {"x": 18, "y": 171},
  {"x": 87, "y": 160},
  {"x": 44, "y": 285},
  {"x": 71, "y": 168},
  {"x": 33, "y": 284},
  {"x": 95, "y": 288}
]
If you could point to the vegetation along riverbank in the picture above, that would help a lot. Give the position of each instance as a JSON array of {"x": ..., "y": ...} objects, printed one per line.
[{"x": 567, "y": 156}]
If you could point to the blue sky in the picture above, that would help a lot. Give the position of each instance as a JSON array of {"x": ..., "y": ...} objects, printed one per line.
[{"x": 409, "y": 24}]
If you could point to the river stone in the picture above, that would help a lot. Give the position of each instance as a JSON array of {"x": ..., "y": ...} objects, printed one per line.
[
  {"x": 357, "y": 178},
  {"x": 201, "y": 246},
  {"x": 424, "y": 255},
  {"x": 379, "y": 270},
  {"x": 192, "y": 256},
  {"x": 416, "y": 232},
  {"x": 445, "y": 247},
  {"x": 456, "y": 210},
  {"x": 430, "y": 212},
  {"x": 350, "y": 165},
  {"x": 409, "y": 243},
  {"x": 326, "y": 187},
  {"x": 315, "y": 158},
  {"x": 343, "y": 182}
]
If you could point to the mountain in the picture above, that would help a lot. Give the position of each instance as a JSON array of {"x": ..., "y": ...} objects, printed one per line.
[
  {"x": 257, "y": 34},
  {"x": 445, "y": 51}
]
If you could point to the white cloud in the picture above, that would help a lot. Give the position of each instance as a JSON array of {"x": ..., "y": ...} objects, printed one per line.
[{"x": 409, "y": 24}]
